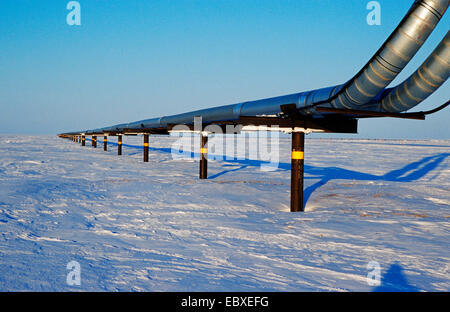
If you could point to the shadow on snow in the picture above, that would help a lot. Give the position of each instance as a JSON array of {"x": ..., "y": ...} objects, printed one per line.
[
  {"x": 395, "y": 281},
  {"x": 409, "y": 173}
]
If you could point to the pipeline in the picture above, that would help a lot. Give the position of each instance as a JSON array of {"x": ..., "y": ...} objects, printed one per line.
[
  {"x": 422, "y": 83},
  {"x": 393, "y": 55},
  {"x": 366, "y": 90}
]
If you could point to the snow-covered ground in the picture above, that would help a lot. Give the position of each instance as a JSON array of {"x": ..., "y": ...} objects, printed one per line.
[{"x": 155, "y": 226}]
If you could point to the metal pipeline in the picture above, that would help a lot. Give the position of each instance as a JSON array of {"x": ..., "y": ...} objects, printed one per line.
[
  {"x": 363, "y": 91},
  {"x": 393, "y": 55},
  {"x": 425, "y": 80}
]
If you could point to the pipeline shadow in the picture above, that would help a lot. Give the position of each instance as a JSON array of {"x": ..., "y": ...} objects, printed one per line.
[{"x": 408, "y": 173}]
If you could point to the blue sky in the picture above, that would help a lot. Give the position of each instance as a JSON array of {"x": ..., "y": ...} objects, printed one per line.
[{"x": 130, "y": 60}]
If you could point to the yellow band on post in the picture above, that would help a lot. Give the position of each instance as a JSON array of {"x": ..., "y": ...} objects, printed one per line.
[
  {"x": 203, "y": 151},
  {"x": 146, "y": 144},
  {"x": 298, "y": 155}
]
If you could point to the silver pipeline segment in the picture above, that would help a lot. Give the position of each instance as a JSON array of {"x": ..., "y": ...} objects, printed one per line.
[
  {"x": 394, "y": 54},
  {"x": 425, "y": 80},
  {"x": 270, "y": 106},
  {"x": 232, "y": 112},
  {"x": 363, "y": 91}
]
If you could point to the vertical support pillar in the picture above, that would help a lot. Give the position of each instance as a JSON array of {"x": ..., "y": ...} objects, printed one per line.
[
  {"x": 297, "y": 171},
  {"x": 119, "y": 144},
  {"x": 105, "y": 143},
  {"x": 203, "y": 157},
  {"x": 94, "y": 141},
  {"x": 145, "y": 147},
  {"x": 83, "y": 140}
]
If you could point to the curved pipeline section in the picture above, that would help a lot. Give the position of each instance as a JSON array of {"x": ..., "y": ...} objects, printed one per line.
[
  {"x": 425, "y": 80},
  {"x": 363, "y": 90},
  {"x": 394, "y": 54}
]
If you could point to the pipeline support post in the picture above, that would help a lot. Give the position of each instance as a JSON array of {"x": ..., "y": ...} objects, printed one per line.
[
  {"x": 297, "y": 171},
  {"x": 83, "y": 140},
  {"x": 145, "y": 147},
  {"x": 203, "y": 157},
  {"x": 105, "y": 143},
  {"x": 94, "y": 141},
  {"x": 119, "y": 144}
]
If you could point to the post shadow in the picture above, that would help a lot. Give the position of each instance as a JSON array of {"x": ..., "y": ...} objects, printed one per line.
[{"x": 395, "y": 281}]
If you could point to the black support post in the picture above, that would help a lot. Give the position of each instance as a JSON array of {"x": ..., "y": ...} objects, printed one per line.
[
  {"x": 145, "y": 147},
  {"x": 119, "y": 144},
  {"x": 297, "y": 171},
  {"x": 203, "y": 157},
  {"x": 83, "y": 140},
  {"x": 94, "y": 141},
  {"x": 105, "y": 143}
]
